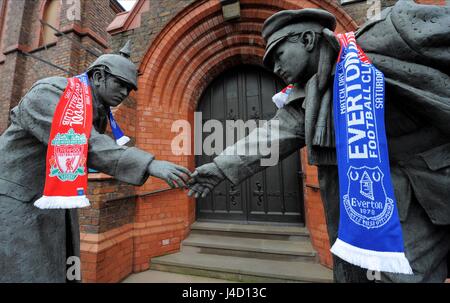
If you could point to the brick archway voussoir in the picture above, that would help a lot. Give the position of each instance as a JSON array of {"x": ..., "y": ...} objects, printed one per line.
[
  {"x": 164, "y": 60},
  {"x": 195, "y": 60},
  {"x": 212, "y": 68}
]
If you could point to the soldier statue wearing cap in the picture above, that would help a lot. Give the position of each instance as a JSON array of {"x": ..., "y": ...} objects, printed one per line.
[
  {"x": 409, "y": 44},
  {"x": 35, "y": 243}
]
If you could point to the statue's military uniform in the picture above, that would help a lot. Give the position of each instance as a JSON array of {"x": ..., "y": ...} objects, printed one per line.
[
  {"x": 416, "y": 66},
  {"x": 35, "y": 243}
]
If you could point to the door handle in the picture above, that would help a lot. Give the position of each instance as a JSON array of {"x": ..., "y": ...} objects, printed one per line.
[
  {"x": 258, "y": 193},
  {"x": 233, "y": 194}
]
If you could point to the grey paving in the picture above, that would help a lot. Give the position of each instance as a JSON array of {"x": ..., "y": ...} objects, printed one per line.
[{"x": 154, "y": 276}]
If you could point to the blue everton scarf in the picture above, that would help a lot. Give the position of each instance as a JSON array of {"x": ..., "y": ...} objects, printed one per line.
[
  {"x": 370, "y": 234},
  {"x": 120, "y": 138}
]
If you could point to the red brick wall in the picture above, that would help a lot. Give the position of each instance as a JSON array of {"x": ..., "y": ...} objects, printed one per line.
[
  {"x": 153, "y": 21},
  {"x": 21, "y": 32},
  {"x": 314, "y": 212},
  {"x": 10, "y": 87}
]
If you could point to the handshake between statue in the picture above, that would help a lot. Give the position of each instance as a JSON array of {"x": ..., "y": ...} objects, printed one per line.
[
  {"x": 204, "y": 179},
  {"x": 200, "y": 183}
]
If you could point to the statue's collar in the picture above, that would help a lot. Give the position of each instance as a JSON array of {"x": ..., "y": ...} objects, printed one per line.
[{"x": 297, "y": 93}]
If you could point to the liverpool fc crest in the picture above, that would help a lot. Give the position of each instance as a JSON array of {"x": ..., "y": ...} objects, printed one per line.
[{"x": 68, "y": 161}]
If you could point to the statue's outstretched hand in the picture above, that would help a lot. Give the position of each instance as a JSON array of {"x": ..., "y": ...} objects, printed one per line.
[
  {"x": 173, "y": 174},
  {"x": 204, "y": 179}
]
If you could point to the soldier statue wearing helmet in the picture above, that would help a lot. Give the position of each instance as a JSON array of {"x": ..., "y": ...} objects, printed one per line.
[
  {"x": 35, "y": 243},
  {"x": 119, "y": 66}
]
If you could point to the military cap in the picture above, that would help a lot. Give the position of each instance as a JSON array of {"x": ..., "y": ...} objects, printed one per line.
[{"x": 286, "y": 23}]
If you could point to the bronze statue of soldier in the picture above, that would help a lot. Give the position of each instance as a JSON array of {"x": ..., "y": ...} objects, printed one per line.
[
  {"x": 35, "y": 243},
  {"x": 409, "y": 43}
]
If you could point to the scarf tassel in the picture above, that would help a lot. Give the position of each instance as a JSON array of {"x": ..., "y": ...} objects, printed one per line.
[
  {"x": 52, "y": 202},
  {"x": 394, "y": 262},
  {"x": 120, "y": 138}
]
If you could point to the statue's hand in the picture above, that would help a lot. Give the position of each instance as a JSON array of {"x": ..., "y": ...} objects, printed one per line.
[
  {"x": 204, "y": 179},
  {"x": 171, "y": 173}
]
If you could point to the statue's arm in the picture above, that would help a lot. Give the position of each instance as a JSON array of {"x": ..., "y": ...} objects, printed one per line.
[
  {"x": 127, "y": 164},
  {"x": 289, "y": 138}
]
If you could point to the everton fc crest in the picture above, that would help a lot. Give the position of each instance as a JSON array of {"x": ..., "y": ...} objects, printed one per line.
[
  {"x": 68, "y": 161},
  {"x": 366, "y": 201}
]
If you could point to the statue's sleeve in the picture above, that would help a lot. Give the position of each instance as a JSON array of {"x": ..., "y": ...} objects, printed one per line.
[
  {"x": 418, "y": 33},
  {"x": 282, "y": 135},
  {"x": 417, "y": 73},
  {"x": 127, "y": 164}
]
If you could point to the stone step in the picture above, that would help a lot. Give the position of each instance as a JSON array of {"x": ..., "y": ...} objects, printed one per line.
[
  {"x": 241, "y": 269},
  {"x": 250, "y": 248},
  {"x": 258, "y": 231}
]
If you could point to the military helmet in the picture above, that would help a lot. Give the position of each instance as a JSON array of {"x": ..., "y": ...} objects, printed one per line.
[{"x": 118, "y": 65}]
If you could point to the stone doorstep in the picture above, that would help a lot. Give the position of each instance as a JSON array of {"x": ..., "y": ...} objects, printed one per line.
[
  {"x": 246, "y": 253},
  {"x": 242, "y": 269},
  {"x": 293, "y": 248},
  {"x": 251, "y": 228}
]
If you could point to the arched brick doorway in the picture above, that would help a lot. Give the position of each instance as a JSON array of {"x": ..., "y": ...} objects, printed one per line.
[
  {"x": 193, "y": 49},
  {"x": 273, "y": 195}
]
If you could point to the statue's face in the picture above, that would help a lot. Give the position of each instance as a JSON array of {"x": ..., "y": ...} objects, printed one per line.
[
  {"x": 110, "y": 90},
  {"x": 296, "y": 58},
  {"x": 291, "y": 61}
]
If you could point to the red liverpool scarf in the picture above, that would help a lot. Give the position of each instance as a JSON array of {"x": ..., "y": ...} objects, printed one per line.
[{"x": 66, "y": 165}]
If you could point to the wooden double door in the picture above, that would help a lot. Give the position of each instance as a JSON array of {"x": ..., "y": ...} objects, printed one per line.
[{"x": 273, "y": 195}]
